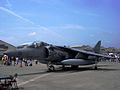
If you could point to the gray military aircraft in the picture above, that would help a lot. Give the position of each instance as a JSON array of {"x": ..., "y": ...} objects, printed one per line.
[{"x": 58, "y": 55}]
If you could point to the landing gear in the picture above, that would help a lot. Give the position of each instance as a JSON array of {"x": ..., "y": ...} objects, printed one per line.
[
  {"x": 63, "y": 67},
  {"x": 74, "y": 66},
  {"x": 50, "y": 67},
  {"x": 96, "y": 67}
]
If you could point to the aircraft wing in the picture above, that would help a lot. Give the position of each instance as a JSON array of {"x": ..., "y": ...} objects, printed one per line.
[
  {"x": 85, "y": 52},
  {"x": 91, "y": 53}
]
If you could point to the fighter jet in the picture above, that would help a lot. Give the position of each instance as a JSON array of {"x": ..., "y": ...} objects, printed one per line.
[{"x": 58, "y": 55}]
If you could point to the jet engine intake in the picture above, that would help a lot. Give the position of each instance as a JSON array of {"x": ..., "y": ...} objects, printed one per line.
[{"x": 55, "y": 55}]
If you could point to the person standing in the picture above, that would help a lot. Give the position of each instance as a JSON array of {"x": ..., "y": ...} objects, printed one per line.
[
  {"x": 17, "y": 60},
  {"x": 36, "y": 61},
  {"x": 30, "y": 63},
  {"x": 21, "y": 60},
  {"x": 5, "y": 60},
  {"x": 26, "y": 63},
  {"x": 2, "y": 60},
  {"x": 119, "y": 59},
  {"x": 14, "y": 60}
]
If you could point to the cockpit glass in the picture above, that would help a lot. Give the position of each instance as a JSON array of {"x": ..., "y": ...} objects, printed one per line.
[
  {"x": 31, "y": 46},
  {"x": 36, "y": 44}
]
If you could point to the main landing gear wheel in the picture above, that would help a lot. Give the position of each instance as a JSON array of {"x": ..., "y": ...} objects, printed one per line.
[
  {"x": 74, "y": 66},
  {"x": 96, "y": 68},
  {"x": 51, "y": 68},
  {"x": 63, "y": 67}
]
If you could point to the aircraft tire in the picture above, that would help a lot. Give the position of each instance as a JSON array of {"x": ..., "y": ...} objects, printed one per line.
[
  {"x": 51, "y": 68},
  {"x": 74, "y": 66},
  {"x": 96, "y": 68}
]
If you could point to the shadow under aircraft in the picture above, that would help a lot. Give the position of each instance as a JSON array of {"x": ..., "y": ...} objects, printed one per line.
[{"x": 58, "y": 55}]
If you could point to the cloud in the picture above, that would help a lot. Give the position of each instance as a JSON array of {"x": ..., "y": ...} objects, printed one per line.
[
  {"x": 15, "y": 14},
  {"x": 92, "y": 35},
  {"x": 64, "y": 27},
  {"x": 48, "y": 2},
  {"x": 93, "y": 14},
  {"x": 1, "y": 30},
  {"x": 107, "y": 41},
  {"x": 69, "y": 26},
  {"x": 51, "y": 29},
  {"x": 9, "y": 5},
  {"x": 32, "y": 34},
  {"x": 38, "y": 27}
]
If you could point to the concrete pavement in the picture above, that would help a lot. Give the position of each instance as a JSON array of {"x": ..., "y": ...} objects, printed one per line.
[{"x": 36, "y": 77}]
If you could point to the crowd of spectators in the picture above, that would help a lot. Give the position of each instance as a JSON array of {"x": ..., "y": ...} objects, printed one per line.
[
  {"x": 116, "y": 57},
  {"x": 5, "y": 60}
]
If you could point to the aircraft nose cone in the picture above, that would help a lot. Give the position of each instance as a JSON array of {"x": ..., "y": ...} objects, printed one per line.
[{"x": 10, "y": 52}]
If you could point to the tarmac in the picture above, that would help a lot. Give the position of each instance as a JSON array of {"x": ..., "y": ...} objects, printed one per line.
[{"x": 36, "y": 77}]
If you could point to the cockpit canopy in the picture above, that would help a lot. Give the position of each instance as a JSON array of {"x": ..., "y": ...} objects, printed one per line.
[{"x": 37, "y": 44}]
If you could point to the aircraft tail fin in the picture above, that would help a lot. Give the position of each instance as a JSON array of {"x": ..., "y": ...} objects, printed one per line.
[{"x": 96, "y": 49}]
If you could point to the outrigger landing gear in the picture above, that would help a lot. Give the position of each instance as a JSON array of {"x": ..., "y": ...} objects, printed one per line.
[
  {"x": 63, "y": 67},
  {"x": 74, "y": 66},
  {"x": 50, "y": 67},
  {"x": 96, "y": 68}
]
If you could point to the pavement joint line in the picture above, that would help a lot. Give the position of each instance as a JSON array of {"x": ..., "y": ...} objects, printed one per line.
[{"x": 33, "y": 79}]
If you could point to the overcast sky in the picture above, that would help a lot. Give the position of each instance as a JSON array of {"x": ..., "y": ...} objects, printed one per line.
[{"x": 60, "y": 22}]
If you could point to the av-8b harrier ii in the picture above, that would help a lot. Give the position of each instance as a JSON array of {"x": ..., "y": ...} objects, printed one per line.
[{"x": 58, "y": 55}]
